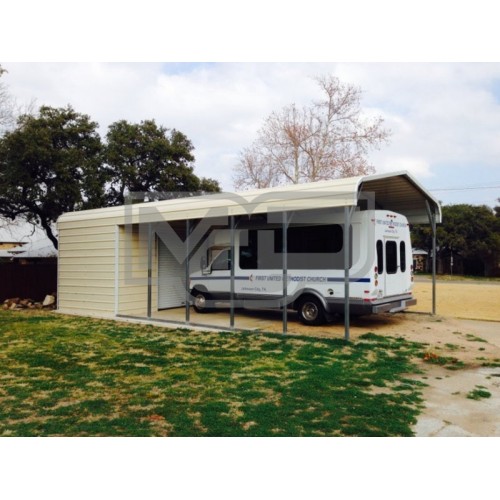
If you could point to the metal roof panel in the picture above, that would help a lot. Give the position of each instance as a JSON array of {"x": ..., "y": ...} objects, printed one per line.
[{"x": 397, "y": 191}]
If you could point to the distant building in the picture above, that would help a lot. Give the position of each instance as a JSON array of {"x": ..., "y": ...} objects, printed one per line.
[
  {"x": 28, "y": 262},
  {"x": 420, "y": 258},
  {"x": 22, "y": 240}
]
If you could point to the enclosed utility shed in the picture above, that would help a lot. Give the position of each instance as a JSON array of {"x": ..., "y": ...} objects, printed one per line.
[{"x": 136, "y": 260}]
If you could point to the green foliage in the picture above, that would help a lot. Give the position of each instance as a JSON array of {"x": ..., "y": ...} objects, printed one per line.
[
  {"x": 479, "y": 392},
  {"x": 55, "y": 162},
  {"x": 50, "y": 164},
  {"x": 147, "y": 158},
  {"x": 473, "y": 232},
  {"x": 474, "y": 338},
  {"x": 449, "y": 362},
  {"x": 70, "y": 376}
]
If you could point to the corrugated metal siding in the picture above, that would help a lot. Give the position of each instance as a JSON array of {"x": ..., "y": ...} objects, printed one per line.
[
  {"x": 132, "y": 272},
  {"x": 88, "y": 275},
  {"x": 86, "y": 271}
]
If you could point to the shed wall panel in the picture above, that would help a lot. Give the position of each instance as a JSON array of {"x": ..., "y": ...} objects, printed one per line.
[
  {"x": 133, "y": 272},
  {"x": 97, "y": 244},
  {"x": 85, "y": 275},
  {"x": 97, "y": 232},
  {"x": 79, "y": 275}
]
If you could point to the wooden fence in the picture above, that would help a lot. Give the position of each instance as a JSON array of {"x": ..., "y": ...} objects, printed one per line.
[{"x": 28, "y": 281}]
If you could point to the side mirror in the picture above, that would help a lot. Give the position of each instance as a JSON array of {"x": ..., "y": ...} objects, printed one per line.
[{"x": 203, "y": 265}]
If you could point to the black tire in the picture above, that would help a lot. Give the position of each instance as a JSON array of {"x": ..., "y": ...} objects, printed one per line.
[
  {"x": 200, "y": 301},
  {"x": 311, "y": 311}
]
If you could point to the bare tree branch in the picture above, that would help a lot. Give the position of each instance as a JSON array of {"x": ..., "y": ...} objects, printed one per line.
[
  {"x": 327, "y": 140},
  {"x": 10, "y": 109},
  {"x": 7, "y": 106}
]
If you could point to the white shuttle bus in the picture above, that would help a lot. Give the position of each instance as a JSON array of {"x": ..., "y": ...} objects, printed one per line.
[{"x": 380, "y": 265}]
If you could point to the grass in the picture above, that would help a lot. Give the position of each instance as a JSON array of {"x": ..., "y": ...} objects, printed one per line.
[
  {"x": 479, "y": 392},
  {"x": 448, "y": 362},
  {"x": 70, "y": 376},
  {"x": 492, "y": 364},
  {"x": 474, "y": 338}
]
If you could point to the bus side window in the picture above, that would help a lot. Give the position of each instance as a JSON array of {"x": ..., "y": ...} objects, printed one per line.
[
  {"x": 402, "y": 256},
  {"x": 248, "y": 253},
  {"x": 380, "y": 257}
]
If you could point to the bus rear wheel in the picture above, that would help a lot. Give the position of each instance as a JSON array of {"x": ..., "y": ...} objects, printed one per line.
[{"x": 311, "y": 311}]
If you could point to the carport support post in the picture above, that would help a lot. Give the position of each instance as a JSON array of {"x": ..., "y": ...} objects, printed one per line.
[
  {"x": 432, "y": 220},
  {"x": 231, "y": 297},
  {"x": 433, "y": 264},
  {"x": 150, "y": 266},
  {"x": 284, "y": 253},
  {"x": 188, "y": 298},
  {"x": 347, "y": 251}
]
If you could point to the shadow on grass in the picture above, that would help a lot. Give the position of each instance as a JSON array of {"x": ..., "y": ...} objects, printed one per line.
[{"x": 71, "y": 376}]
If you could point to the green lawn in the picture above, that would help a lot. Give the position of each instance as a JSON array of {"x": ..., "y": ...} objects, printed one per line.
[{"x": 70, "y": 376}]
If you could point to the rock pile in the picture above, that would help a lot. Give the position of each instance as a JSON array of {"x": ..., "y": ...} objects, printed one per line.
[{"x": 17, "y": 303}]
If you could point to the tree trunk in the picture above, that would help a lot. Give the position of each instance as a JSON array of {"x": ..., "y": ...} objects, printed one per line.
[{"x": 48, "y": 231}]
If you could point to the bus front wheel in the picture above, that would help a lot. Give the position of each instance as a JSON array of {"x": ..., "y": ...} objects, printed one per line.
[{"x": 311, "y": 311}]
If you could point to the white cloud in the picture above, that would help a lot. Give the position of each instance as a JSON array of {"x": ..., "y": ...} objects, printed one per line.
[
  {"x": 416, "y": 166},
  {"x": 441, "y": 115}
]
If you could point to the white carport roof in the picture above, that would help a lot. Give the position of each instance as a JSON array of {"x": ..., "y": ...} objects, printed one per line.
[
  {"x": 397, "y": 191},
  {"x": 402, "y": 193}
]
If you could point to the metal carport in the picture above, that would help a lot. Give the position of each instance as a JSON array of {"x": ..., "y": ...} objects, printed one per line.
[
  {"x": 398, "y": 192},
  {"x": 98, "y": 237}
]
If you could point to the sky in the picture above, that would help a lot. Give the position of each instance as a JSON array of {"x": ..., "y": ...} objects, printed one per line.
[
  {"x": 444, "y": 117},
  {"x": 195, "y": 69}
]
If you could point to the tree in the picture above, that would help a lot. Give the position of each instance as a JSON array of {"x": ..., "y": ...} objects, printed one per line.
[
  {"x": 9, "y": 109},
  {"x": 472, "y": 232},
  {"x": 50, "y": 164},
  {"x": 327, "y": 140},
  {"x": 6, "y": 105},
  {"x": 55, "y": 162},
  {"x": 148, "y": 158}
]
